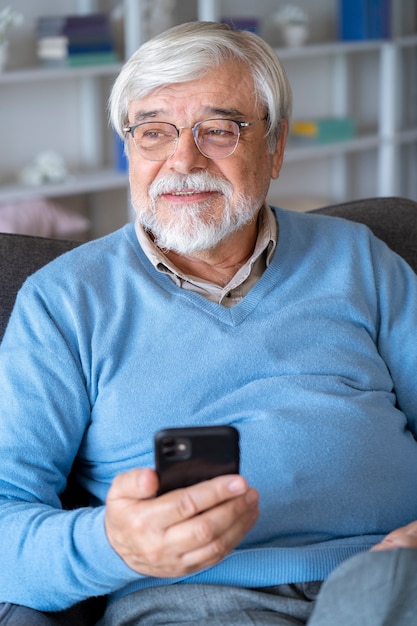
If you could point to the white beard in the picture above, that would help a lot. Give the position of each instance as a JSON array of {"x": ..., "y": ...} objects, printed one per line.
[{"x": 191, "y": 228}]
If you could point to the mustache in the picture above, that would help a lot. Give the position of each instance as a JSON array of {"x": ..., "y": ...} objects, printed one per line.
[{"x": 201, "y": 182}]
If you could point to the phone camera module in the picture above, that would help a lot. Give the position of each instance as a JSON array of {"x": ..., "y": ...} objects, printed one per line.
[{"x": 176, "y": 448}]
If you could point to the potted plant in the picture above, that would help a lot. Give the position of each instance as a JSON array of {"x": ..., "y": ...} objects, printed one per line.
[
  {"x": 8, "y": 19},
  {"x": 292, "y": 21}
]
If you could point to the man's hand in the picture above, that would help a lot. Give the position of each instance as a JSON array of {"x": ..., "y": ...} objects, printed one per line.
[
  {"x": 180, "y": 532},
  {"x": 405, "y": 537}
]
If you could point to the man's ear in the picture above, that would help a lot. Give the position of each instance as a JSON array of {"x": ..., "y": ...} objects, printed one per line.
[{"x": 278, "y": 156}]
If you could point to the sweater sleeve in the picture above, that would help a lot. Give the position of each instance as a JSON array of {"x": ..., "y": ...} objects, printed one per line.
[
  {"x": 50, "y": 558},
  {"x": 397, "y": 339}
]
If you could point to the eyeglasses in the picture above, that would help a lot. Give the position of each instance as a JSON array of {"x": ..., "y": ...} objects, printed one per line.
[{"x": 215, "y": 139}]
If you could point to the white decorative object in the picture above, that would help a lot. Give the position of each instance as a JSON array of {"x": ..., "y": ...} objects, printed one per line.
[
  {"x": 158, "y": 16},
  {"x": 8, "y": 19},
  {"x": 292, "y": 21},
  {"x": 295, "y": 35},
  {"x": 47, "y": 167}
]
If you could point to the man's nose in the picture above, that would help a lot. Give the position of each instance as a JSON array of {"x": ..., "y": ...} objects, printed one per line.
[{"x": 187, "y": 156}]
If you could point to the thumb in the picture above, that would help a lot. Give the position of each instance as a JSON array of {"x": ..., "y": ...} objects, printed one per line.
[{"x": 137, "y": 484}]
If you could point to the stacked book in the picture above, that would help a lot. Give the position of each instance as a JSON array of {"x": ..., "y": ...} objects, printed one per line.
[
  {"x": 322, "y": 130},
  {"x": 75, "y": 40},
  {"x": 364, "y": 19}
]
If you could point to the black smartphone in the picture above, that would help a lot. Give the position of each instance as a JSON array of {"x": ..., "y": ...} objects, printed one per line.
[{"x": 186, "y": 456}]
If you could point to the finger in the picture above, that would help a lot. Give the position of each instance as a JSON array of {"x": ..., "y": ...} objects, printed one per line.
[
  {"x": 184, "y": 504},
  {"x": 165, "y": 515},
  {"x": 131, "y": 495},
  {"x": 207, "y": 538},
  {"x": 216, "y": 551},
  {"x": 213, "y": 543},
  {"x": 138, "y": 484},
  {"x": 129, "y": 492},
  {"x": 405, "y": 537}
]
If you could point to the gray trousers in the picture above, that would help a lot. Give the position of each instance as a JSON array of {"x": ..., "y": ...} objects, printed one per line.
[{"x": 370, "y": 589}]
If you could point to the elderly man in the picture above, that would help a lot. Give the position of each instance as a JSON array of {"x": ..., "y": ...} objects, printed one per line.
[{"x": 213, "y": 308}]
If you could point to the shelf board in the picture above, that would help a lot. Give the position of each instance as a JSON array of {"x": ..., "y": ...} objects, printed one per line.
[
  {"x": 76, "y": 184},
  {"x": 329, "y": 49},
  {"x": 343, "y": 47},
  {"x": 406, "y": 41},
  {"x": 298, "y": 152},
  {"x": 35, "y": 74},
  {"x": 406, "y": 136}
]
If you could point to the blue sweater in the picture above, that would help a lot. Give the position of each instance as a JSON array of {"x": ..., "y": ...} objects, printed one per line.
[{"x": 316, "y": 367}]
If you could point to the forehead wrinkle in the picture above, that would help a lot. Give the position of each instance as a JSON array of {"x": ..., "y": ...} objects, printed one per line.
[
  {"x": 228, "y": 93},
  {"x": 232, "y": 112}
]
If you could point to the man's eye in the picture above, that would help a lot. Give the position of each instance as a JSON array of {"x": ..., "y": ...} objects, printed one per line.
[
  {"x": 218, "y": 132},
  {"x": 221, "y": 131},
  {"x": 153, "y": 134}
]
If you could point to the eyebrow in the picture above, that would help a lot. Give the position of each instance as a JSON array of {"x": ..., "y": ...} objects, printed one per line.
[{"x": 141, "y": 116}]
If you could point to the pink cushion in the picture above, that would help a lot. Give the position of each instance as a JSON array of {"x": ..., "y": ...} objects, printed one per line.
[{"x": 41, "y": 218}]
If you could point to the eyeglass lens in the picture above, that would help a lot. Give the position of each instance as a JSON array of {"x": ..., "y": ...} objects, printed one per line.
[{"x": 214, "y": 138}]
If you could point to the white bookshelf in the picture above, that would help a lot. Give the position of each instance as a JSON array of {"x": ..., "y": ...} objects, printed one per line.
[
  {"x": 389, "y": 133},
  {"x": 67, "y": 111}
]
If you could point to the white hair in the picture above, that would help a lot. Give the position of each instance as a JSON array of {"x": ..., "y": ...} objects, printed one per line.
[{"x": 187, "y": 52}]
